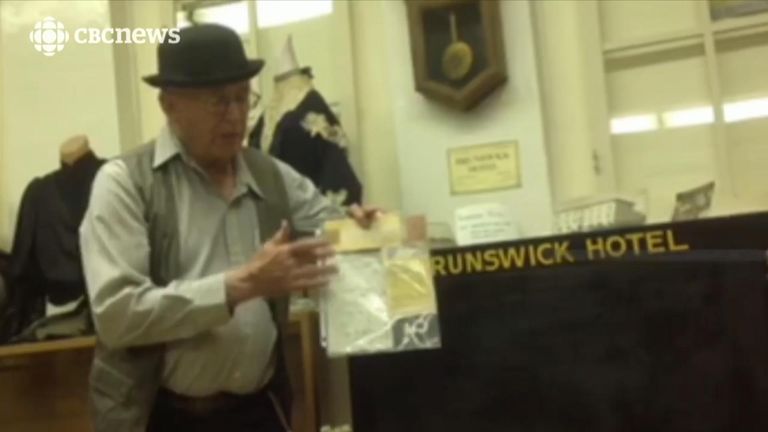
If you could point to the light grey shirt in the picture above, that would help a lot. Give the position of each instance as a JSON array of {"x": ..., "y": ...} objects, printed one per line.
[{"x": 208, "y": 350}]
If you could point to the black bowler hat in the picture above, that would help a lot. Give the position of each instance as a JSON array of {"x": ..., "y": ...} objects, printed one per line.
[{"x": 206, "y": 55}]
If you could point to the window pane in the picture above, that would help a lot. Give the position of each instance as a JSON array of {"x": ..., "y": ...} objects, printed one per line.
[
  {"x": 272, "y": 13},
  {"x": 232, "y": 15}
]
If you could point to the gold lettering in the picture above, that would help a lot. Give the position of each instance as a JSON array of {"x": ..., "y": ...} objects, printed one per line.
[
  {"x": 491, "y": 258},
  {"x": 540, "y": 254},
  {"x": 595, "y": 244},
  {"x": 622, "y": 246},
  {"x": 516, "y": 254},
  {"x": 474, "y": 261},
  {"x": 532, "y": 256},
  {"x": 635, "y": 237},
  {"x": 438, "y": 264},
  {"x": 455, "y": 264},
  {"x": 655, "y": 242},
  {"x": 552, "y": 253},
  {"x": 562, "y": 253},
  {"x": 673, "y": 246}
]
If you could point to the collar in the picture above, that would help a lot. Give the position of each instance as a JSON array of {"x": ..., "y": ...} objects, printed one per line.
[
  {"x": 168, "y": 146},
  {"x": 245, "y": 176}
]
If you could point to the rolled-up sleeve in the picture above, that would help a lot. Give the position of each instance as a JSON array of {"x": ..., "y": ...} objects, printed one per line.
[{"x": 128, "y": 309}]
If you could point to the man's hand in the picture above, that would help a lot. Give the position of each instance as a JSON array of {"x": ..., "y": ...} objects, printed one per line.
[
  {"x": 364, "y": 216},
  {"x": 281, "y": 267}
]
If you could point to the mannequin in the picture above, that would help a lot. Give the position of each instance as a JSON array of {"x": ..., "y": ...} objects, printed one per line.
[
  {"x": 299, "y": 128},
  {"x": 73, "y": 149},
  {"x": 292, "y": 84},
  {"x": 3, "y": 294},
  {"x": 45, "y": 269}
]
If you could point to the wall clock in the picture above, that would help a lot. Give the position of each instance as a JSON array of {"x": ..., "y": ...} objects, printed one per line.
[{"x": 457, "y": 49}]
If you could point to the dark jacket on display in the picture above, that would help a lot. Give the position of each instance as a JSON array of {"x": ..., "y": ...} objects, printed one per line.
[
  {"x": 45, "y": 262},
  {"x": 310, "y": 139}
]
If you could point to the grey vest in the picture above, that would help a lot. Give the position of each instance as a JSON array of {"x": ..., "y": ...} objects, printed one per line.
[{"x": 124, "y": 382}]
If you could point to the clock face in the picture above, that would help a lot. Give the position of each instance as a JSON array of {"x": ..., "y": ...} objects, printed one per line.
[{"x": 454, "y": 44}]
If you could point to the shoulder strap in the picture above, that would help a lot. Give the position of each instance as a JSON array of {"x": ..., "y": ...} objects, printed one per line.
[
  {"x": 271, "y": 209},
  {"x": 267, "y": 174}
]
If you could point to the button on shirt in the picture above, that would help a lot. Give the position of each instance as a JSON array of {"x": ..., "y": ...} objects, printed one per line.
[{"x": 207, "y": 349}]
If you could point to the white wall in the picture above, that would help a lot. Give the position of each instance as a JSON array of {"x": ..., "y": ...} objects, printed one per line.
[
  {"x": 425, "y": 130},
  {"x": 4, "y": 229},
  {"x": 141, "y": 116},
  {"x": 153, "y": 14},
  {"x": 376, "y": 117},
  {"x": 45, "y": 100}
]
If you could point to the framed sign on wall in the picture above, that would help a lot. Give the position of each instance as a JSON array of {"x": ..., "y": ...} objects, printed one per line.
[{"x": 484, "y": 168}]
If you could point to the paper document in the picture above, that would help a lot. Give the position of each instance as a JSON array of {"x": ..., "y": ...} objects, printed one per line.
[{"x": 484, "y": 223}]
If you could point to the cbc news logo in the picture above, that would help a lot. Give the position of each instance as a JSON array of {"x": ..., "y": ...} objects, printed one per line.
[{"x": 49, "y": 36}]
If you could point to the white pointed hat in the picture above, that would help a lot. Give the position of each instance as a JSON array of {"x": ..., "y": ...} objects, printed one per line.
[{"x": 288, "y": 64}]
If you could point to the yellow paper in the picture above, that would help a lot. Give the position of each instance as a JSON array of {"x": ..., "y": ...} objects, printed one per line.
[
  {"x": 486, "y": 167},
  {"x": 410, "y": 286},
  {"x": 348, "y": 236}
]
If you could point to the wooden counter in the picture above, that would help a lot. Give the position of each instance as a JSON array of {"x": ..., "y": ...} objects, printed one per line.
[
  {"x": 44, "y": 385},
  {"x": 19, "y": 350}
]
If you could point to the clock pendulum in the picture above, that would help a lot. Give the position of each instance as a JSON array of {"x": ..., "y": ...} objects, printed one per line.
[{"x": 458, "y": 56}]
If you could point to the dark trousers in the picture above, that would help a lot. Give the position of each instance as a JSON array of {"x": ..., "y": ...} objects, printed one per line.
[{"x": 227, "y": 412}]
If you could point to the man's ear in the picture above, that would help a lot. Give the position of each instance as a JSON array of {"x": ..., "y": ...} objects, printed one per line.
[{"x": 166, "y": 103}]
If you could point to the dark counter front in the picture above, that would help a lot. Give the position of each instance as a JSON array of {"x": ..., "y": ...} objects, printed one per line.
[{"x": 657, "y": 328}]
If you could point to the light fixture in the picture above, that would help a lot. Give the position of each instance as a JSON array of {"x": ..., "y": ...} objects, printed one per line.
[
  {"x": 689, "y": 117},
  {"x": 745, "y": 110},
  {"x": 273, "y": 13},
  {"x": 634, "y": 124}
]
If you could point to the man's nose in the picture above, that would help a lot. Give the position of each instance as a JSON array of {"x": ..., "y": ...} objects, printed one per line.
[{"x": 236, "y": 111}]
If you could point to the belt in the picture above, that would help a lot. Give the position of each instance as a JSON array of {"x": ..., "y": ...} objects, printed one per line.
[
  {"x": 206, "y": 405},
  {"x": 220, "y": 402}
]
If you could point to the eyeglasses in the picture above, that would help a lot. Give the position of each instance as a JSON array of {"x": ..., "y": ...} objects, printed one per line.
[{"x": 218, "y": 105}]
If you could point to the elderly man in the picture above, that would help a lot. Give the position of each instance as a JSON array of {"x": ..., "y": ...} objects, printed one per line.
[{"x": 190, "y": 253}]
